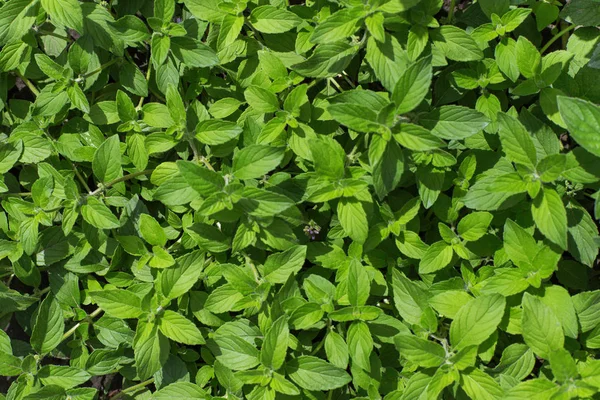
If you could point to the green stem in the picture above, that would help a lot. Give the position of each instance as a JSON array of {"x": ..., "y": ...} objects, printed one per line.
[
  {"x": 119, "y": 180},
  {"x": 100, "y": 68},
  {"x": 77, "y": 325},
  {"x": 556, "y": 37},
  {"x": 148, "y": 72},
  {"x": 81, "y": 179},
  {"x": 451, "y": 11},
  {"x": 133, "y": 388},
  {"x": 24, "y": 194},
  {"x": 30, "y": 85}
]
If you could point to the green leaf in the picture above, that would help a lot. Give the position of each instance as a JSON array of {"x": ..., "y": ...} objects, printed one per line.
[
  {"x": 180, "y": 390},
  {"x": 436, "y": 257},
  {"x": 261, "y": 99},
  {"x": 312, "y": 373},
  {"x": 66, "y": 13},
  {"x": 355, "y": 117},
  {"x": 280, "y": 266},
  {"x": 338, "y": 25},
  {"x": 235, "y": 353},
  {"x": 63, "y": 376},
  {"x": 118, "y": 303},
  {"x": 274, "y": 348},
  {"x": 474, "y": 226},
  {"x": 151, "y": 231},
  {"x": 454, "y": 122},
  {"x": 353, "y": 219},
  {"x": 422, "y": 352},
  {"x": 107, "y": 160},
  {"x": 256, "y": 160},
  {"x": 456, "y": 44},
  {"x": 360, "y": 344},
  {"x": 202, "y": 180},
  {"x": 413, "y": 86},
  {"x": 49, "y": 326},
  {"x": 516, "y": 141},
  {"x": 583, "y": 122},
  {"x": 178, "y": 280},
  {"x": 477, "y": 320},
  {"x": 151, "y": 349},
  {"x": 550, "y": 216},
  {"x": 542, "y": 331},
  {"x": 387, "y": 163},
  {"x": 180, "y": 329},
  {"x": 479, "y": 385},
  {"x": 97, "y": 214},
  {"x": 269, "y": 19},
  {"x": 215, "y": 132},
  {"x": 328, "y": 157},
  {"x": 327, "y": 60},
  {"x": 193, "y": 53},
  {"x": 540, "y": 388}
]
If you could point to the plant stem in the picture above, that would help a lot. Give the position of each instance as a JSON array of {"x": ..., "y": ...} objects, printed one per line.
[
  {"x": 100, "y": 68},
  {"x": 148, "y": 72},
  {"x": 556, "y": 37},
  {"x": 204, "y": 161},
  {"x": 451, "y": 11},
  {"x": 30, "y": 85},
  {"x": 80, "y": 177},
  {"x": 77, "y": 325},
  {"x": 133, "y": 388},
  {"x": 23, "y": 194},
  {"x": 119, "y": 180}
]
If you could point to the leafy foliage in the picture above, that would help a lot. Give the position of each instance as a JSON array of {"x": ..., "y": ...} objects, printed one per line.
[{"x": 350, "y": 199}]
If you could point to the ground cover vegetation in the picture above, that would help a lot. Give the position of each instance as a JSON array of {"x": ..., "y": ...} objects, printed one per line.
[{"x": 279, "y": 199}]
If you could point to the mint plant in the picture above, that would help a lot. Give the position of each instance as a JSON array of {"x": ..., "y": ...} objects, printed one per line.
[{"x": 284, "y": 199}]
